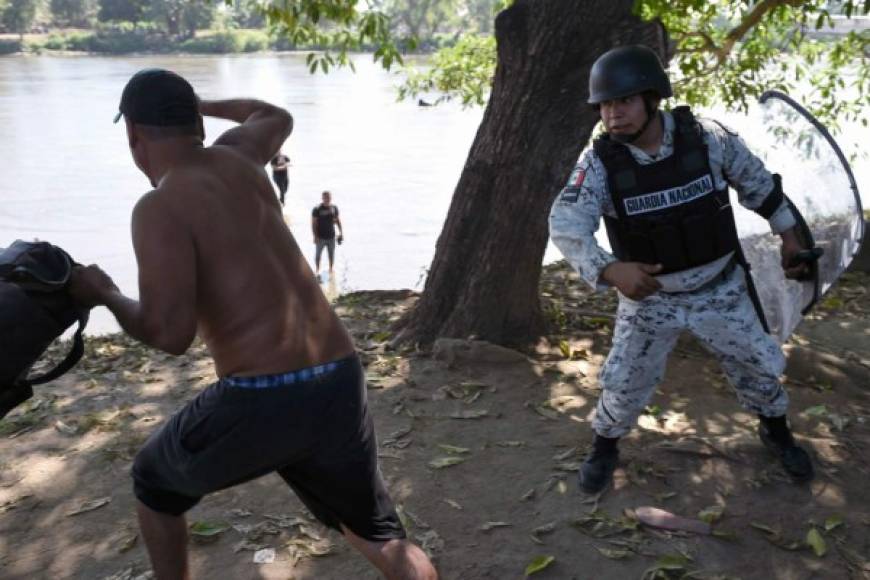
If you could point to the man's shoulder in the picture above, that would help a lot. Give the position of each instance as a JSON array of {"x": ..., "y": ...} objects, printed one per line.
[
  {"x": 592, "y": 167},
  {"x": 716, "y": 128},
  {"x": 157, "y": 204},
  {"x": 588, "y": 156}
]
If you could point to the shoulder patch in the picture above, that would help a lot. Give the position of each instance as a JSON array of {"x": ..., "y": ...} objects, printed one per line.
[
  {"x": 570, "y": 195},
  {"x": 577, "y": 177}
]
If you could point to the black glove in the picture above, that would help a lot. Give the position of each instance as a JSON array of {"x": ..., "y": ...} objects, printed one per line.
[{"x": 340, "y": 239}]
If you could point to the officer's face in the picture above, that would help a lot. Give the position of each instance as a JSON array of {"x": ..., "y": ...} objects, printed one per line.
[{"x": 625, "y": 115}]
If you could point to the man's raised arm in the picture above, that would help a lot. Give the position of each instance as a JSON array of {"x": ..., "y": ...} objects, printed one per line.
[{"x": 262, "y": 129}]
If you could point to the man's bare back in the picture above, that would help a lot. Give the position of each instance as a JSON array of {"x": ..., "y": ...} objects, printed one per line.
[
  {"x": 258, "y": 306},
  {"x": 216, "y": 258},
  {"x": 215, "y": 255}
]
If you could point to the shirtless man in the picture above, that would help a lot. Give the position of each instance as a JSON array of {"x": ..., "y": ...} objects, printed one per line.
[{"x": 214, "y": 255}]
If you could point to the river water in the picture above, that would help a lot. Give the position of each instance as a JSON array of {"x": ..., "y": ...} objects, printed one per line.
[{"x": 67, "y": 175}]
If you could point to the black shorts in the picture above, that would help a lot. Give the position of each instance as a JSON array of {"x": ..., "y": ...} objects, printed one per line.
[
  {"x": 280, "y": 179},
  {"x": 311, "y": 426}
]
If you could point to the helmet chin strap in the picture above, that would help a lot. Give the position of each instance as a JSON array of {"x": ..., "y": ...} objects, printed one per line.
[{"x": 650, "y": 115}]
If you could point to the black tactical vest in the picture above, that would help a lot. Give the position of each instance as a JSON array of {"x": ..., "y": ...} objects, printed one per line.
[{"x": 668, "y": 212}]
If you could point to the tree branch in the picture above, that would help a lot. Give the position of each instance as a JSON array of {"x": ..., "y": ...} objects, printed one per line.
[
  {"x": 708, "y": 46},
  {"x": 749, "y": 22}
]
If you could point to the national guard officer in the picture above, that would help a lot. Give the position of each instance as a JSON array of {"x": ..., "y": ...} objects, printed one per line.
[{"x": 660, "y": 181}]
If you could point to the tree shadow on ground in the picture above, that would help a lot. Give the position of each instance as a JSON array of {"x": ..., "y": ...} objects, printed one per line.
[{"x": 479, "y": 447}]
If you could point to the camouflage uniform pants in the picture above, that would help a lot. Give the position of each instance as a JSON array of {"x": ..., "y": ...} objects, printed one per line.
[{"x": 722, "y": 317}]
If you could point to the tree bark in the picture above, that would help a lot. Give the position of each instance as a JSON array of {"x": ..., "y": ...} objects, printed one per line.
[{"x": 483, "y": 280}]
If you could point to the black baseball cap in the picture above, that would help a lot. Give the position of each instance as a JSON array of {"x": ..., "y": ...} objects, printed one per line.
[{"x": 155, "y": 96}]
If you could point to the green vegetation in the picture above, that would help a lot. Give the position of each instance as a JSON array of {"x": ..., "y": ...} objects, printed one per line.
[
  {"x": 18, "y": 16},
  {"x": 337, "y": 27},
  {"x": 727, "y": 51},
  {"x": 125, "y": 38}
]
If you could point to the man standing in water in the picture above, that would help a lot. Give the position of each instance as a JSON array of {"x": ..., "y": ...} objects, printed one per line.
[
  {"x": 214, "y": 255},
  {"x": 324, "y": 218},
  {"x": 280, "y": 164}
]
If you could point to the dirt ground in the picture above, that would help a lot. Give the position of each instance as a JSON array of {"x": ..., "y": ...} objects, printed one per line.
[{"x": 479, "y": 446}]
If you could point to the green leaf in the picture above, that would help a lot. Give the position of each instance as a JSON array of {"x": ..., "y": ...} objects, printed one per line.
[
  {"x": 208, "y": 529},
  {"x": 726, "y": 535},
  {"x": 665, "y": 564},
  {"x": 673, "y": 562},
  {"x": 712, "y": 514},
  {"x": 538, "y": 564},
  {"x": 833, "y": 303},
  {"x": 833, "y": 523},
  {"x": 565, "y": 348},
  {"x": 816, "y": 542},
  {"x": 816, "y": 411}
]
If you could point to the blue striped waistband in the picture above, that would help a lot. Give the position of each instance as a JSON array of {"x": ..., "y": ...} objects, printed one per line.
[{"x": 289, "y": 378}]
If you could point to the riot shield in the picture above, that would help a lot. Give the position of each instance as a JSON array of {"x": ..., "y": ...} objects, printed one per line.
[{"x": 818, "y": 180}]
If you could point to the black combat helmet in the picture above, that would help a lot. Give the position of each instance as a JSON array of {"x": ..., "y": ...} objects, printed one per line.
[{"x": 626, "y": 71}]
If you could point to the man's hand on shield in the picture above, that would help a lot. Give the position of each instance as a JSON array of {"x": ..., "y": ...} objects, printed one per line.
[{"x": 791, "y": 246}]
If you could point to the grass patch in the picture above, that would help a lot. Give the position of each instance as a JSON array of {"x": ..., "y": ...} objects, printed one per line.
[
  {"x": 33, "y": 413},
  {"x": 124, "y": 38}
]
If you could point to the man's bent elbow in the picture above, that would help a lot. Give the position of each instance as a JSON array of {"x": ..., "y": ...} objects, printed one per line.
[
  {"x": 288, "y": 128},
  {"x": 284, "y": 118},
  {"x": 175, "y": 348},
  {"x": 169, "y": 338}
]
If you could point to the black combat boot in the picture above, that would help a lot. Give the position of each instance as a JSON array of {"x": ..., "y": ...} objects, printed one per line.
[
  {"x": 597, "y": 469},
  {"x": 776, "y": 436}
]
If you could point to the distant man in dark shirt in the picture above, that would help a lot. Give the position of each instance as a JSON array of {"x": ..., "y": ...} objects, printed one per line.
[
  {"x": 324, "y": 218},
  {"x": 280, "y": 163}
]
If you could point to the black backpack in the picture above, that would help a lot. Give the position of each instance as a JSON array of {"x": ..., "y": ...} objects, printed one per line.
[{"x": 35, "y": 309}]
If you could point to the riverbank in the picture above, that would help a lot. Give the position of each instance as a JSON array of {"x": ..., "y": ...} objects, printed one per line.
[
  {"x": 127, "y": 38},
  {"x": 145, "y": 38},
  {"x": 479, "y": 446}
]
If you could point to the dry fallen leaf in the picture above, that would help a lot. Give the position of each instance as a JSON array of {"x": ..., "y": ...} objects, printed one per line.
[
  {"x": 453, "y": 504},
  {"x": 442, "y": 462},
  {"x": 454, "y": 450},
  {"x": 565, "y": 454},
  {"x": 615, "y": 553},
  {"x": 470, "y": 414},
  {"x": 264, "y": 556},
  {"x": 64, "y": 428},
  {"x": 89, "y": 506},
  {"x": 659, "y": 518},
  {"x": 127, "y": 541},
  {"x": 492, "y": 525}
]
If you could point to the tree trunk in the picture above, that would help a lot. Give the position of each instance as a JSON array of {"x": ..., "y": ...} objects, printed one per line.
[{"x": 483, "y": 281}]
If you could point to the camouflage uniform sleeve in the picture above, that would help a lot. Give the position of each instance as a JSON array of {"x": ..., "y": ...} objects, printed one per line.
[
  {"x": 576, "y": 216},
  {"x": 746, "y": 173}
]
